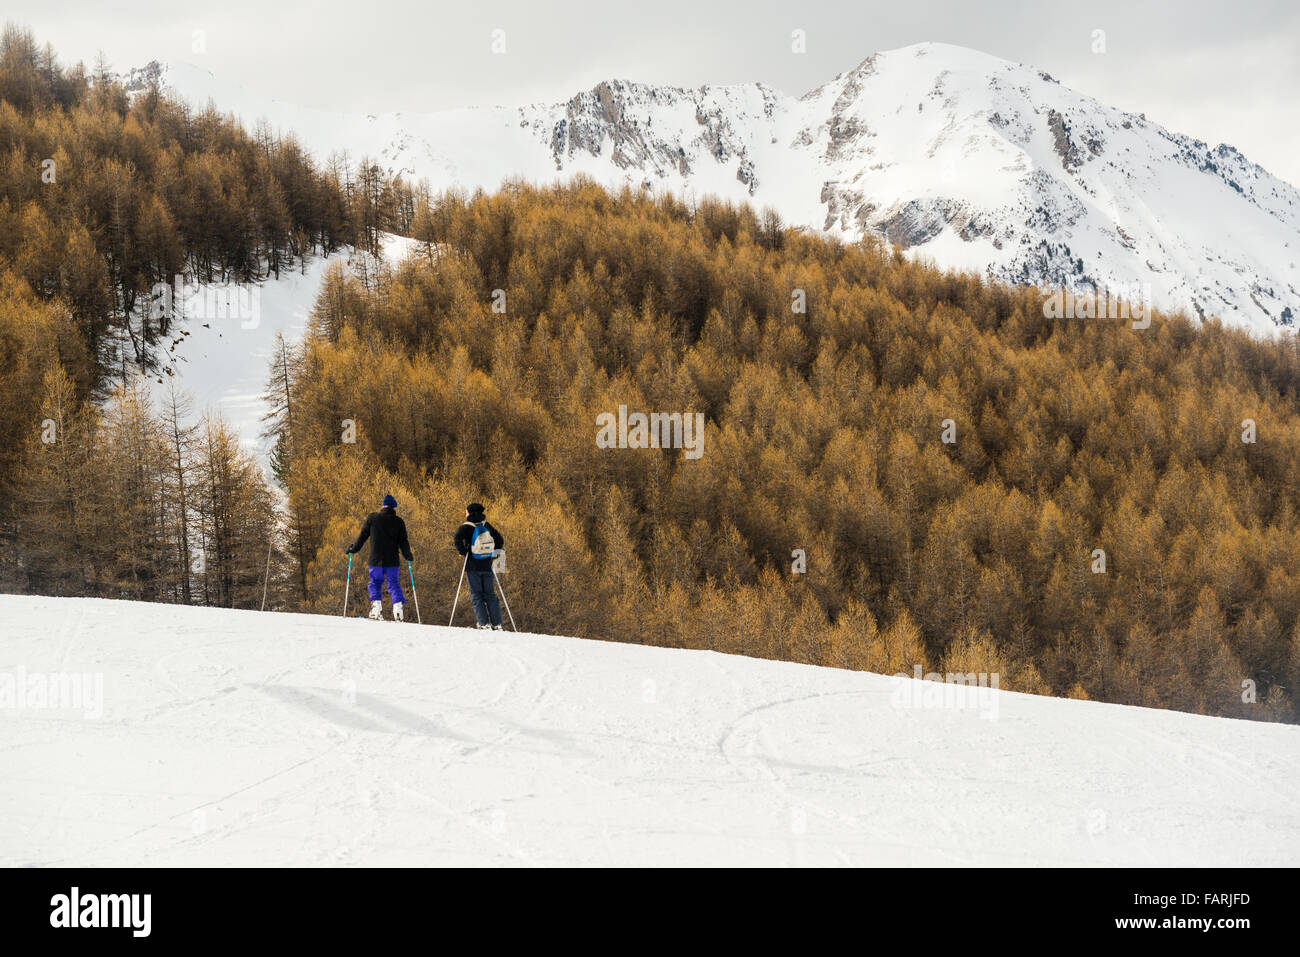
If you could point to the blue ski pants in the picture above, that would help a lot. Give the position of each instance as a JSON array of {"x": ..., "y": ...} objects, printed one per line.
[{"x": 393, "y": 576}]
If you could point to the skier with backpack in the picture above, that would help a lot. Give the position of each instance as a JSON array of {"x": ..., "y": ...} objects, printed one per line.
[
  {"x": 387, "y": 534},
  {"x": 480, "y": 543}
]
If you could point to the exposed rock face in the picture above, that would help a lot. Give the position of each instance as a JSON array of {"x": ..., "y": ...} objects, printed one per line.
[
  {"x": 141, "y": 77},
  {"x": 619, "y": 118},
  {"x": 1061, "y": 142}
]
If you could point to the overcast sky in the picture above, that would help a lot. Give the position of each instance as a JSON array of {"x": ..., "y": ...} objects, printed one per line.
[{"x": 1223, "y": 72}]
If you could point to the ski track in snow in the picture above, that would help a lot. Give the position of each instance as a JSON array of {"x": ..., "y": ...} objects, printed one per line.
[{"x": 237, "y": 738}]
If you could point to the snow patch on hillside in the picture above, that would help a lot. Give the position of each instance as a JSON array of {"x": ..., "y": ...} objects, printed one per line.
[{"x": 223, "y": 361}]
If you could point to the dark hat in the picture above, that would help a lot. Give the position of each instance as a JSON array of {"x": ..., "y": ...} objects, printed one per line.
[
  {"x": 473, "y": 507},
  {"x": 390, "y": 502}
]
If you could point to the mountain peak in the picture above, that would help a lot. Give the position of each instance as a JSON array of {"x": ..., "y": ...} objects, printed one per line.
[{"x": 966, "y": 158}]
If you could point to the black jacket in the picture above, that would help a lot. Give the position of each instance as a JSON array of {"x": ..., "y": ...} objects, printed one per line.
[
  {"x": 387, "y": 534},
  {"x": 465, "y": 534}
]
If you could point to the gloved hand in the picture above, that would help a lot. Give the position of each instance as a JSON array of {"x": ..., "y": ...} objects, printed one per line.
[
  {"x": 497, "y": 553},
  {"x": 349, "y": 550}
]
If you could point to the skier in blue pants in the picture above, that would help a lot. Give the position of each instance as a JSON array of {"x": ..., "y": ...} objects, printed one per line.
[
  {"x": 480, "y": 543},
  {"x": 387, "y": 534}
]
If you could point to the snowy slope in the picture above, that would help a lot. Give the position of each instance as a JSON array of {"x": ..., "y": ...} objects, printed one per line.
[
  {"x": 970, "y": 160},
  {"x": 233, "y": 737},
  {"x": 223, "y": 362}
]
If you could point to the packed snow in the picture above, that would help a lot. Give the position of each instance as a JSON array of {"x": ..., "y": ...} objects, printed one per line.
[
  {"x": 960, "y": 157},
  {"x": 157, "y": 735}
]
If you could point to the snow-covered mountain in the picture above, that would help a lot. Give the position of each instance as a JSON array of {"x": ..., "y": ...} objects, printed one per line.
[
  {"x": 141, "y": 734},
  {"x": 955, "y": 155}
]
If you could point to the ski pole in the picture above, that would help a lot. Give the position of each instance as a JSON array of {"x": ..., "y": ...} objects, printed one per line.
[
  {"x": 266, "y": 582},
  {"x": 414, "y": 594},
  {"x": 513, "y": 626},
  {"x": 458, "y": 584},
  {"x": 348, "y": 587}
]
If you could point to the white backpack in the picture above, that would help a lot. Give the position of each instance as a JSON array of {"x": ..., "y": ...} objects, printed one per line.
[{"x": 481, "y": 543}]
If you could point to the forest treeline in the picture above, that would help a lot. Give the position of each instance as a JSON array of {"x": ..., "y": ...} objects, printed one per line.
[
  {"x": 106, "y": 194},
  {"x": 1097, "y": 526}
]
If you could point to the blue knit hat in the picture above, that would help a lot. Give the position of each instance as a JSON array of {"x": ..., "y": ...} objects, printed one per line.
[{"x": 390, "y": 502}]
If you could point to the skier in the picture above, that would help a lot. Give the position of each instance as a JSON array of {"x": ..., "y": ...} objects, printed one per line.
[
  {"x": 480, "y": 543},
  {"x": 387, "y": 534}
]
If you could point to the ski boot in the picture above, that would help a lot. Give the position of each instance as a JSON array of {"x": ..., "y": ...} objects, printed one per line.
[
  {"x": 398, "y": 613},
  {"x": 377, "y": 610}
]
